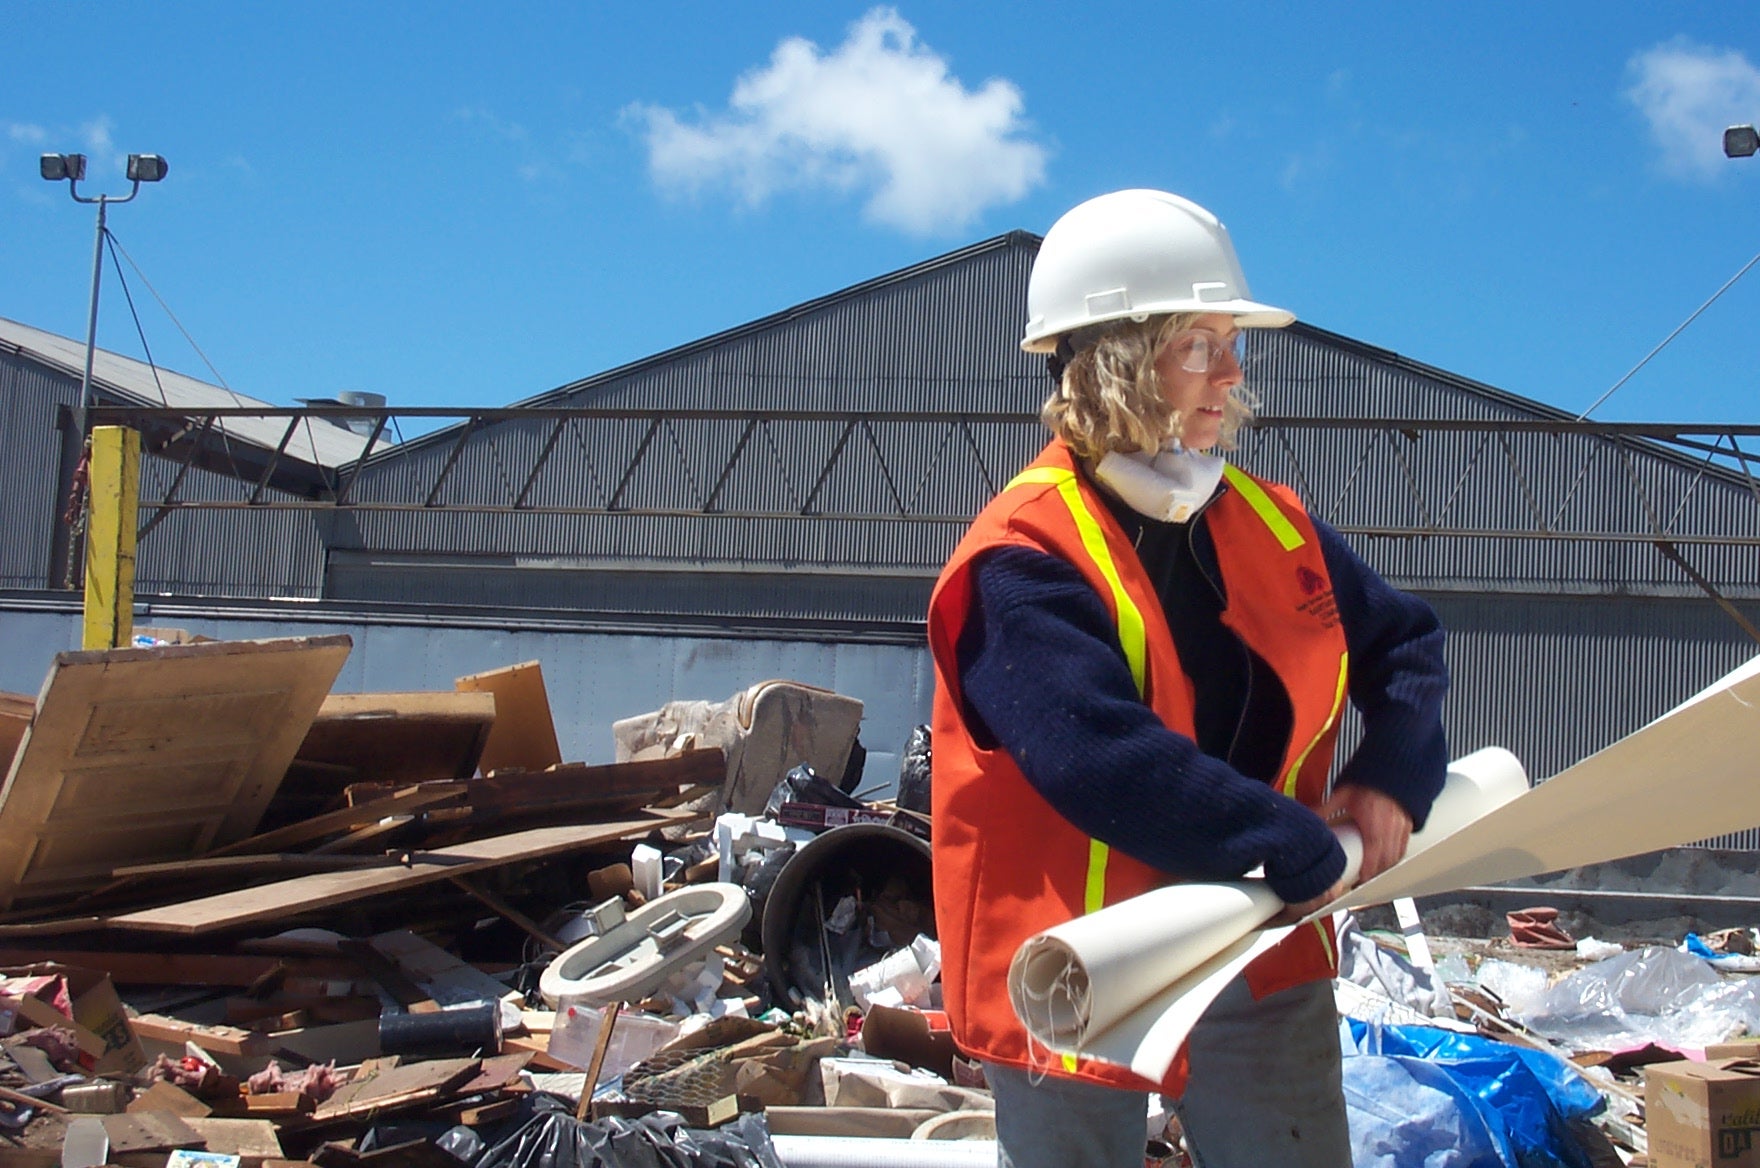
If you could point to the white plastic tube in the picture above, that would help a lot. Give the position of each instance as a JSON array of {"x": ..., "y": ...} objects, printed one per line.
[{"x": 859, "y": 1152}]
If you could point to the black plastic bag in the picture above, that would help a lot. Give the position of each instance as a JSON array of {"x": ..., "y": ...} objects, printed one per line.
[
  {"x": 802, "y": 784},
  {"x": 913, "y": 772}
]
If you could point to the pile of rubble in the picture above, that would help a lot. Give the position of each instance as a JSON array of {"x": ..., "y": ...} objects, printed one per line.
[{"x": 247, "y": 920}]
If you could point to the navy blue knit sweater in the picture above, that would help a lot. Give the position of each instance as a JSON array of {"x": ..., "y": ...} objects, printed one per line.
[{"x": 1043, "y": 675}]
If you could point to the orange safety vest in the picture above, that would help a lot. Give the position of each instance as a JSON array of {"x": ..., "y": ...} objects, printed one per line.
[{"x": 1007, "y": 865}]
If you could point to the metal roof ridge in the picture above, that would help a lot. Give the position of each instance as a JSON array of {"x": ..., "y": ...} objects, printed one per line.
[
  {"x": 146, "y": 369},
  {"x": 793, "y": 312},
  {"x": 1008, "y": 239}
]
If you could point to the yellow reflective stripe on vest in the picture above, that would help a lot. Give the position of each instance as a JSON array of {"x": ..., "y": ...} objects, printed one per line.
[
  {"x": 1295, "y": 768},
  {"x": 1286, "y": 534},
  {"x": 1131, "y": 636},
  {"x": 1264, "y": 507}
]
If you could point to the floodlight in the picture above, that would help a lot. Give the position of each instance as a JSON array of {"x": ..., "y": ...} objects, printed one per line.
[
  {"x": 1740, "y": 142},
  {"x": 146, "y": 167},
  {"x": 56, "y": 167}
]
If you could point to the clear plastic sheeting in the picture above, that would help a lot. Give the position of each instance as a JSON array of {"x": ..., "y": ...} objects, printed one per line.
[
  {"x": 660, "y": 1139},
  {"x": 1364, "y": 963},
  {"x": 1656, "y": 994}
]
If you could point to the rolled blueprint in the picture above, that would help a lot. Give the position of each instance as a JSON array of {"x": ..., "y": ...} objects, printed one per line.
[{"x": 1099, "y": 984}]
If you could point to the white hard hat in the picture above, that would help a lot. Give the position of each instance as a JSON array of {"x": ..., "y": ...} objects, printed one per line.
[{"x": 1136, "y": 254}]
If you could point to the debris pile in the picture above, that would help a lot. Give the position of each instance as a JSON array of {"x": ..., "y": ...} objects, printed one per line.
[
  {"x": 248, "y": 920},
  {"x": 253, "y": 920}
]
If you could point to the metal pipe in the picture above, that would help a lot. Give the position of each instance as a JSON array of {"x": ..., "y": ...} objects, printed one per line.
[{"x": 85, "y": 383}]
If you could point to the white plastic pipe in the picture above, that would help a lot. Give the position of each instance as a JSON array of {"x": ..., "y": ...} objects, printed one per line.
[{"x": 859, "y": 1152}]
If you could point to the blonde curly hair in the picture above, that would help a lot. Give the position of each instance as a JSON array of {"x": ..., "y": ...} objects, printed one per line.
[{"x": 1109, "y": 396}]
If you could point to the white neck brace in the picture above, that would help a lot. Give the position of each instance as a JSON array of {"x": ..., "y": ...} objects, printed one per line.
[{"x": 1171, "y": 486}]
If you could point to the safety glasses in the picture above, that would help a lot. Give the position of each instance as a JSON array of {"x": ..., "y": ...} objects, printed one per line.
[{"x": 1202, "y": 351}]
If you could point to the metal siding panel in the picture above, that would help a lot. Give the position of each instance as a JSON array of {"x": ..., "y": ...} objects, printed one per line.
[{"x": 29, "y": 398}]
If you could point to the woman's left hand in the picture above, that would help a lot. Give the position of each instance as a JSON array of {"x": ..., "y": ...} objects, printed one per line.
[{"x": 1383, "y": 823}]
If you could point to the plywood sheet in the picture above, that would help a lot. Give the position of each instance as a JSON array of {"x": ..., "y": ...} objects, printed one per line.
[
  {"x": 524, "y": 734},
  {"x": 141, "y": 755},
  {"x": 397, "y": 738},
  {"x": 322, "y": 889},
  {"x": 15, "y": 717}
]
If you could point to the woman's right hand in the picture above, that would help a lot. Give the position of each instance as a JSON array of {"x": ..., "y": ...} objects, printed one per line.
[{"x": 1294, "y": 912}]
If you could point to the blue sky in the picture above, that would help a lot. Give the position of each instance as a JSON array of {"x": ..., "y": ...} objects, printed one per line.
[{"x": 466, "y": 204}]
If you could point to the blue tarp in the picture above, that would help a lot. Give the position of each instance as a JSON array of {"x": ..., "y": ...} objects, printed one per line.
[{"x": 1424, "y": 1097}]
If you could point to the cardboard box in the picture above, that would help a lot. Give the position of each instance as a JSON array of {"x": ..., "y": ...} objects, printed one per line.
[
  {"x": 1748, "y": 1048},
  {"x": 81, "y": 1000},
  {"x": 1703, "y": 1114},
  {"x": 918, "y": 1037}
]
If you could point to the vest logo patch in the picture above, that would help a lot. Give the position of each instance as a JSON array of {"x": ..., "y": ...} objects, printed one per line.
[{"x": 1320, "y": 603}]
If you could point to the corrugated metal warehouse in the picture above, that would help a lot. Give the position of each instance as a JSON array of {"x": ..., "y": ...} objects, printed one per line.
[{"x": 775, "y": 500}]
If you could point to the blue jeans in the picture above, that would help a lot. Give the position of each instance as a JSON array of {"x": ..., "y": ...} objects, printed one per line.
[{"x": 1266, "y": 1089}]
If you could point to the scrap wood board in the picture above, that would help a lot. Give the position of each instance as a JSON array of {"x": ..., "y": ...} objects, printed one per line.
[
  {"x": 399, "y": 737},
  {"x": 317, "y": 890},
  {"x": 15, "y": 717},
  {"x": 579, "y": 787},
  {"x": 395, "y": 802},
  {"x": 410, "y": 1083},
  {"x": 137, "y": 755},
  {"x": 524, "y": 734},
  {"x": 127, "y": 967}
]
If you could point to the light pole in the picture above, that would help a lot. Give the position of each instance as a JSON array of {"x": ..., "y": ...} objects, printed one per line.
[
  {"x": 1740, "y": 142},
  {"x": 109, "y": 456},
  {"x": 72, "y": 167}
]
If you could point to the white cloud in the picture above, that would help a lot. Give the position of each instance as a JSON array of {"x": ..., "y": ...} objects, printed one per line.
[
  {"x": 1689, "y": 93},
  {"x": 26, "y": 133},
  {"x": 96, "y": 134},
  {"x": 880, "y": 114}
]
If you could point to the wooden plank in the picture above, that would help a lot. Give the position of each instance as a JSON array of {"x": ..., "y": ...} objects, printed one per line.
[
  {"x": 149, "y": 1131},
  {"x": 361, "y": 837},
  {"x": 496, "y": 1072},
  {"x": 524, "y": 734},
  {"x": 398, "y": 1087},
  {"x": 285, "y": 898},
  {"x": 488, "y": 1113},
  {"x": 228, "y": 1040},
  {"x": 398, "y": 802},
  {"x": 537, "y": 1046},
  {"x": 137, "y": 755},
  {"x": 253, "y": 1139},
  {"x": 32, "y": 1062},
  {"x": 250, "y": 865},
  {"x": 578, "y": 787},
  {"x": 278, "y": 1105},
  {"x": 180, "y": 969},
  {"x": 163, "y": 1096}
]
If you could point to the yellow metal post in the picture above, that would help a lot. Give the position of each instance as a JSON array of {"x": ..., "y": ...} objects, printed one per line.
[{"x": 115, "y": 466}]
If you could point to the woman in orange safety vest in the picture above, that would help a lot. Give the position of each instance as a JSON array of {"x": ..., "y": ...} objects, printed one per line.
[{"x": 1142, "y": 655}]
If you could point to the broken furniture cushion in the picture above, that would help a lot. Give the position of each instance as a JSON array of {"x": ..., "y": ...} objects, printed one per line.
[{"x": 764, "y": 731}]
